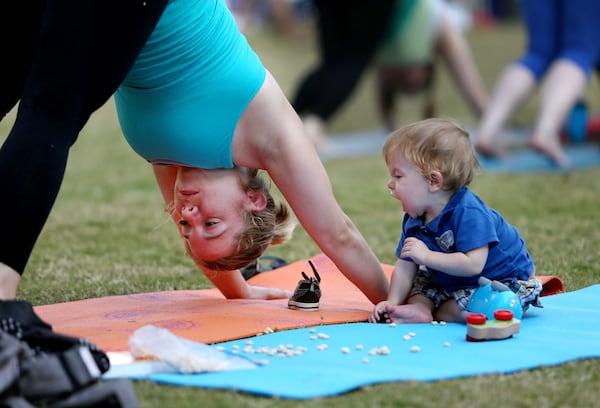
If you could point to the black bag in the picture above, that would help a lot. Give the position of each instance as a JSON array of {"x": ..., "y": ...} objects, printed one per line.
[{"x": 39, "y": 367}]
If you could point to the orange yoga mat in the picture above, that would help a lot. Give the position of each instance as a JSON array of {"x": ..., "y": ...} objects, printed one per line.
[{"x": 206, "y": 316}]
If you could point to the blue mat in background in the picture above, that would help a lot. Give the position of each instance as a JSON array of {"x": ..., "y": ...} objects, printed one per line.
[
  {"x": 520, "y": 158},
  {"x": 528, "y": 160},
  {"x": 339, "y": 358}
]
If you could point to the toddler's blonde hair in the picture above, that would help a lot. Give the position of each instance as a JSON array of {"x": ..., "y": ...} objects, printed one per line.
[{"x": 436, "y": 145}]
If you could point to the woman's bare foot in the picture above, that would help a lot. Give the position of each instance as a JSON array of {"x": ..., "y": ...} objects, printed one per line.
[
  {"x": 551, "y": 149},
  {"x": 408, "y": 313},
  {"x": 9, "y": 282},
  {"x": 489, "y": 150}
]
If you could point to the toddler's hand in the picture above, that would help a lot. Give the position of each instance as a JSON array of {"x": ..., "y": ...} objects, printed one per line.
[
  {"x": 416, "y": 250},
  {"x": 379, "y": 315}
]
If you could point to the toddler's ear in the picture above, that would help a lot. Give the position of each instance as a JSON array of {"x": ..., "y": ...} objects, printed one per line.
[
  {"x": 258, "y": 201},
  {"x": 436, "y": 180}
]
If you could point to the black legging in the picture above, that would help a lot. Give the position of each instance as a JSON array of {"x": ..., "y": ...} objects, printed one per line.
[
  {"x": 63, "y": 59},
  {"x": 349, "y": 34}
]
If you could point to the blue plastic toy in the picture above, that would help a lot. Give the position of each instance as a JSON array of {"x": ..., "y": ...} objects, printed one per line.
[
  {"x": 576, "y": 123},
  {"x": 494, "y": 295},
  {"x": 479, "y": 328}
]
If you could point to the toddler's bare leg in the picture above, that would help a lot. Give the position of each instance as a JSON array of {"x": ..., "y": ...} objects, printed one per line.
[{"x": 449, "y": 312}]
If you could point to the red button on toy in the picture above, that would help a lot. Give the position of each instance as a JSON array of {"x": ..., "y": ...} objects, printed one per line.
[
  {"x": 503, "y": 314},
  {"x": 476, "y": 318}
]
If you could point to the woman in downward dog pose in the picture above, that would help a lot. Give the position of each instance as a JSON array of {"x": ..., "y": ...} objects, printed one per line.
[{"x": 193, "y": 97}]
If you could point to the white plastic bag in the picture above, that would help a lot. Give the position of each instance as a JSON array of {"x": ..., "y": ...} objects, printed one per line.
[{"x": 186, "y": 355}]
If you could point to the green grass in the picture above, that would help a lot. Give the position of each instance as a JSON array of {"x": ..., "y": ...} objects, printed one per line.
[{"x": 108, "y": 235}]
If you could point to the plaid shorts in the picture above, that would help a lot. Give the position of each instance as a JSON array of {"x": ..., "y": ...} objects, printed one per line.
[{"x": 527, "y": 291}]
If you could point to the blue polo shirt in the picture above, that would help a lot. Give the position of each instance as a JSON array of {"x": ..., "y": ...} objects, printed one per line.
[{"x": 467, "y": 223}]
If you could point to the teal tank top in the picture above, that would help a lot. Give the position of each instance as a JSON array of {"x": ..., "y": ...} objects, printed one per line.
[{"x": 183, "y": 97}]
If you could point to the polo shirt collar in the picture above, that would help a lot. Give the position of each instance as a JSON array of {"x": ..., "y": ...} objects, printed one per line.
[{"x": 417, "y": 223}]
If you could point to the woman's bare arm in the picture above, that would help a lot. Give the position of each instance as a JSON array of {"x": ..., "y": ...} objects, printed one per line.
[{"x": 271, "y": 136}]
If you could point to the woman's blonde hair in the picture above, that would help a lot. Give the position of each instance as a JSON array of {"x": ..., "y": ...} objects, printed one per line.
[
  {"x": 436, "y": 145},
  {"x": 272, "y": 226}
]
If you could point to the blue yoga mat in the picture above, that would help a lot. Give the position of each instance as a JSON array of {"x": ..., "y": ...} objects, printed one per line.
[
  {"x": 520, "y": 158},
  {"x": 335, "y": 359},
  {"x": 524, "y": 160}
]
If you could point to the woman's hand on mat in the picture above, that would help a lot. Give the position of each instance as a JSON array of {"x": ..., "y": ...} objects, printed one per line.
[
  {"x": 233, "y": 286},
  {"x": 263, "y": 292}
]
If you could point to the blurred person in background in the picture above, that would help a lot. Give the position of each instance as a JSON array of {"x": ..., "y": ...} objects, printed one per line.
[
  {"x": 422, "y": 33},
  {"x": 349, "y": 34},
  {"x": 563, "y": 46}
]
